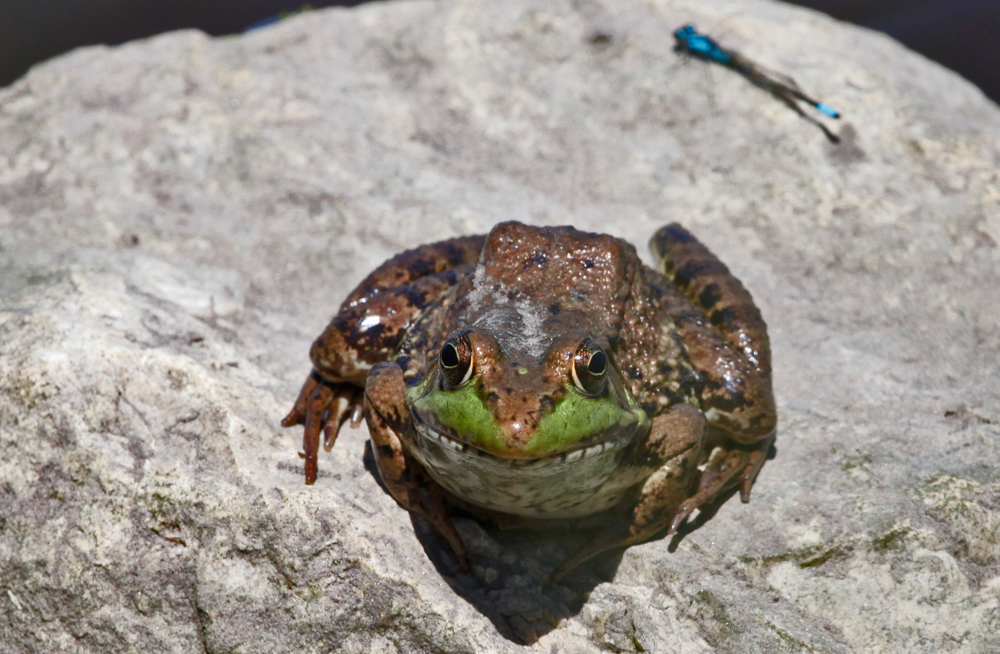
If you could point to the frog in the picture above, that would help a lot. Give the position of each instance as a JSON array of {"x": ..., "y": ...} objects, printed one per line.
[{"x": 537, "y": 375}]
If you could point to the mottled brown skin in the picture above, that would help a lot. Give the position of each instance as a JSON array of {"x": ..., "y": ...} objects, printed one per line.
[{"x": 688, "y": 344}]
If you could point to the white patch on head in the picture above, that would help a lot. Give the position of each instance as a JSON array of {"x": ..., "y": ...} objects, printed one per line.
[
  {"x": 531, "y": 325},
  {"x": 518, "y": 318},
  {"x": 480, "y": 289}
]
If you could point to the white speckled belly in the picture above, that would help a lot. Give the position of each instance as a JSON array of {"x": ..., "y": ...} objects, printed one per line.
[{"x": 566, "y": 485}]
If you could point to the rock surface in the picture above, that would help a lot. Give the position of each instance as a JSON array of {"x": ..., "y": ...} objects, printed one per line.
[{"x": 179, "y": 218}]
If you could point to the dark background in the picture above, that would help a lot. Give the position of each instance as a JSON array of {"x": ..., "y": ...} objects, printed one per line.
[{"x": 964, "y": 35}]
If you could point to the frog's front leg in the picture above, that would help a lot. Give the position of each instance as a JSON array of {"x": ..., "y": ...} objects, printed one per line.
[
  {"x": 367, "y": 330},
  {"x": 408, "y": 482},
  {"x": 731, "y": 351},
  {"x": 674, "y": 448}
]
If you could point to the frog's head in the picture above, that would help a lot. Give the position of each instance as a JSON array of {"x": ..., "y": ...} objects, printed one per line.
[{"x": 526, "y": 398}]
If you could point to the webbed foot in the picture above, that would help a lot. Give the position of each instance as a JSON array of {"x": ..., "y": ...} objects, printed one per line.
[
  {"x": 323, "y": 406},
  {"x": 725, "y": 469}
]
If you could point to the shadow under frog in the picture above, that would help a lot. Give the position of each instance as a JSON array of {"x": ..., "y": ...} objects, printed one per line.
[
  {"x": 544, "y": 375},
  {"x": 509, "y": 581}
]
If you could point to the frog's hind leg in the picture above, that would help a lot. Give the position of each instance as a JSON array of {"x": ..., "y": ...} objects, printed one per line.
[
  {"x": 732, "y": 352},
  {"x": 407, "y": 480}
]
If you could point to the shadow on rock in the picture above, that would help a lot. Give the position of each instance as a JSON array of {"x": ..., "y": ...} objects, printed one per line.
[
  {"x": 510, "y": 578},
  {"x": 509, "y": 582}
]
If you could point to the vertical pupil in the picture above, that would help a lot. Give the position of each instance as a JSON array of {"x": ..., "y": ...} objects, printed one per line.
[
  {"x": 598, "y": 362},
  {"x": 449, "y": 356}
]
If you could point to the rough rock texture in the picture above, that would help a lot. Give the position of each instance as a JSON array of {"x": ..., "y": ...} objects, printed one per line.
[{"x": 179, "y": 218}]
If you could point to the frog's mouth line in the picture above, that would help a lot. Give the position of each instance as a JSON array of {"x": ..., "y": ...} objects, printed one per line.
[{"x": 601, "y": 442}]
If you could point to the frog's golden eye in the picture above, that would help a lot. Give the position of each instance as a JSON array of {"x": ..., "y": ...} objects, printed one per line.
[
  {"x": 455, "y": 360},
  {"x": 590, "y": 368}
]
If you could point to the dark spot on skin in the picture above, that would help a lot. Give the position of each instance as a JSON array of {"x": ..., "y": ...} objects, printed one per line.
[
  {"x": 587, "y": 263},
  {"x": 726, "y": 318},
  {"x": 691, "y": 379},
  {"x": 554, "y": 309},
  {"x": 616, "y": 342},
  {"x": 729, "y": 402},
  {"x": 665, "y": 369},
  {"x": 508, "y": 391},
  {"x": 634, "y": 372},
  {"x": 710, "y": 296},
  {"x": 599, "y": 38},
  {"x": 510, "y": 295},
  {"x": 455, "y": 254},
  {"x": 538, "y": 259},
  {"x": 492, "y": 397},
  {"x": 421, "y": 267},
  {"x": 371, "y": 334},
  {"x": 676, "y": 234},
  {"x": 693, "y": 269},
  {"x": 671, "y": 397},
  {"x": 386, "y": 450},
  {"x": 415, "y": 297},
  {"x": 546, "y": 403}
]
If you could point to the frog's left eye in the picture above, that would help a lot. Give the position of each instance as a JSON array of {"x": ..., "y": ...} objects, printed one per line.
[
  {"x": 455, "y": 360},
  {"x": 590, "y": 368}
]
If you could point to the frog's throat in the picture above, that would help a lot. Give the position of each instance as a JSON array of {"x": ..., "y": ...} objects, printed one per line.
[{"x": 576, "y": 421}]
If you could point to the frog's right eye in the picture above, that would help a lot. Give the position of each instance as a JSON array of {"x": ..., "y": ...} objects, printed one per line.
[{"x": 455, "y": 360}]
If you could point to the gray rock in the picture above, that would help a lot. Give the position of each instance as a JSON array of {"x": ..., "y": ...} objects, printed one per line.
[{"x": 179, "y": 217}]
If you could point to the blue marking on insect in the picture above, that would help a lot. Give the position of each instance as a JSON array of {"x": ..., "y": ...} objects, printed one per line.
[
  {"x": 688, "y": 41},
  {"x": 828, "y": 110}
]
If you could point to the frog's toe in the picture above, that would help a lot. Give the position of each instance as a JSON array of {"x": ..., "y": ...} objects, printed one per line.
[
  {"x": 297, "y": 415},
  {"x": 316, "y": 413},
  {"x": 752, "y": 469},
  {"x": 724, "y": 470},
  {"x": 347, "y": 404}
]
